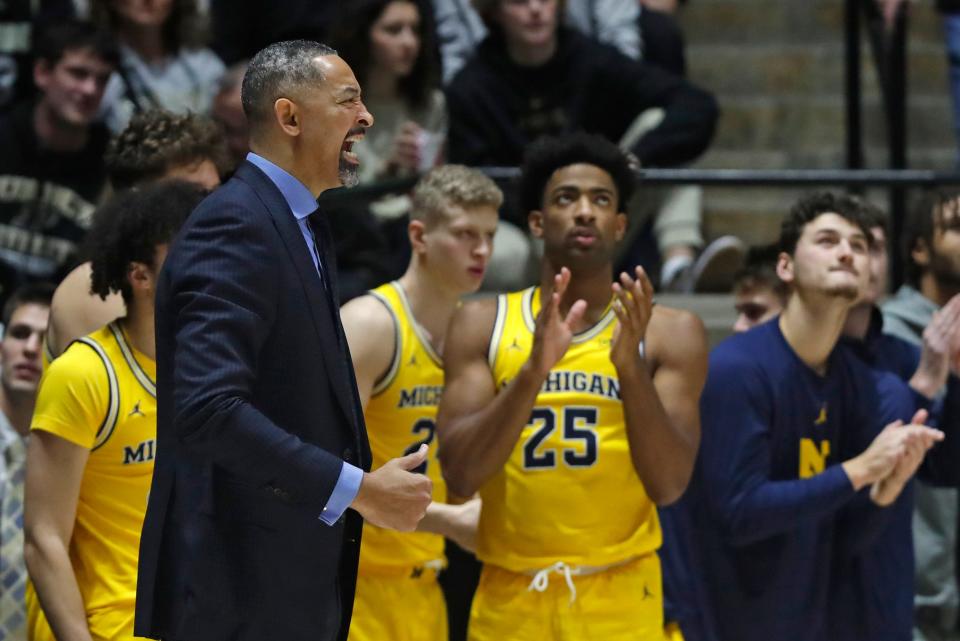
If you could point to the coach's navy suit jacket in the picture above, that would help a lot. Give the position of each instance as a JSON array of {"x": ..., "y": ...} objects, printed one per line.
[{"x": 257, "y": 409}]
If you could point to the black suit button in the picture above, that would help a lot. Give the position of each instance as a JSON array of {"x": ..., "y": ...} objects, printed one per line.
[
  {"x": 348, "y": 454},
  {"x": 277, "y": 491}
]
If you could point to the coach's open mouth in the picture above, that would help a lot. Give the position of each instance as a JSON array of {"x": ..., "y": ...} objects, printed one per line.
[{"x": 346, "y": 149}]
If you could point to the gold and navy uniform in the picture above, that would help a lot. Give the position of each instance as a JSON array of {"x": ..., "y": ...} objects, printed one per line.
[
  {"x": 397, "y": 593},
  {"x": 100, "y": 394},
  {"x": 568, "y": 504}
]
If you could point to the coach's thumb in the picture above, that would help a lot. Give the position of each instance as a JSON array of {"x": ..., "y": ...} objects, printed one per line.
[{"x": 414, "y": 460}]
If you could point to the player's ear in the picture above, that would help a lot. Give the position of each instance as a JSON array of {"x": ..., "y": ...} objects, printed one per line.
[
  {"x": 621, "y": 226},
  {"x": 416, "y": 231},
  {"x": 140, "y": 276},
  {"x": 535, "y": 222},
  {"x": 785, "y": 266}
]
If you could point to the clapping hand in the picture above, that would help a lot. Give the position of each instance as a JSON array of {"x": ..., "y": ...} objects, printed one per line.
[{"x": 633, "y": 307}]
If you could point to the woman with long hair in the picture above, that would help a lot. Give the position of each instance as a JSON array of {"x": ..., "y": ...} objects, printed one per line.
[
  {"x": 164, "y": 63},
  {"x": 390, "y": 46}
]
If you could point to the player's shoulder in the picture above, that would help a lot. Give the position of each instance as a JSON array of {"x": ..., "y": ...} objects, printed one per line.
[
  {"x": 473, "y": 323},
  {"x": 670, "y": 321},
  {"x": 369, "y": 312},
  {"x": 83, "y": 359},
  {"x": 759, "y": 348},
  {"x": 675, "y": 332}
]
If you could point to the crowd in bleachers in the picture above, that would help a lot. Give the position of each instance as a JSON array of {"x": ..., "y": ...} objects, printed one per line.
[{"x": 103, "y": 97}]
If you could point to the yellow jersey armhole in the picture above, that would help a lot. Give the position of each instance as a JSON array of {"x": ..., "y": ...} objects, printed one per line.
[
  {"x": 391, "y": 373},
  {"x": 109, "y": 424},
  {"x": 498, "y": 323}
]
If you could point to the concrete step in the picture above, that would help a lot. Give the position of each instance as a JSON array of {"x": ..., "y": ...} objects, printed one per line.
[
  {"x": 806, "y": 122},
  {"x": 716, "y": 311},
  {"x": 786, "y": 21},
  {"x": 785, "y": 68}
]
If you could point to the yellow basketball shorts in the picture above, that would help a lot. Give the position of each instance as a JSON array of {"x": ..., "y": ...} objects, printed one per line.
[
  {"x": 399, "y": 607},
  {"x": 623, "y": 602}
]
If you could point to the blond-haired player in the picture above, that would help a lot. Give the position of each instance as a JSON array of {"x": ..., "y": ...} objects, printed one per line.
[
  {"x": 573, "y": 408},
  {"x": 396, "y": 335},
  {"x": 91, "y": 453}
]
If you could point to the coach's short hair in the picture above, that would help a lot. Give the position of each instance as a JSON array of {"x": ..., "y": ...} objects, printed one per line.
[
  {"x": 550, "y": 153},
  {"x": 277, "y": 70},
  {"x": 452, "y": 186},
  {"x": 812, "y": 206}
]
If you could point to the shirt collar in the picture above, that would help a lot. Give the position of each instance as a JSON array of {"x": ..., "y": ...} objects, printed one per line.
[
  {"x": 7, "y": 433},
  {"x": 298, "y": 197}
]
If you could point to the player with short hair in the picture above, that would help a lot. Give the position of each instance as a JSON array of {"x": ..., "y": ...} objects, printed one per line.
[
  {"x": 155, "y": 145},
  {"x": 799, "y": 435},
  {"x": 570, "y": 411},
  {"x": 758, "y": 293},
  {"x": 90, "y": 458},
  {"x": 396, "y": 335}
]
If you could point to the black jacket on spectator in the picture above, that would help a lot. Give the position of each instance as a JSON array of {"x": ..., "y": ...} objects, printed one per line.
[
  {"x": 47, "y": 199},
  {"x": 948, "y": 6},
  {"x": 497, "y": 107}
]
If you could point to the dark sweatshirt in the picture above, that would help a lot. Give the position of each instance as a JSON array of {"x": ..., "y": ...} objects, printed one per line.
[
  {"x": 497, "y": 107},
  {"x": 767, "y": 491}
]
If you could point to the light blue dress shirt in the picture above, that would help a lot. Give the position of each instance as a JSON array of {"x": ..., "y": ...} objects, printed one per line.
[{"x": 302, "y": 204}]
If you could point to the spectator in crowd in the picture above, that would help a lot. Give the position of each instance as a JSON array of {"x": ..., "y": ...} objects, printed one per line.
[
  {"x": 228, "y": 112},
  {"x": 931, "y": 243},
  {"x": 156, "y": 145},
  {"x": 532, "y": 77},
  {"x": 93, "y": 435},
  {"x": 51, "y": 164},
  {"x": 793, "y": 435},
  {"x": 396, "y": 335},
  {"x": 24, "y": 322},
  {"x": 18, "y": 23},
  {"x": 461, "y": 30},
  {"x": 164, "y": 63},
  {"x": 241, "y": 29},
  {"x": 872, "y": 597},
  {"x": 758, "y": 293},
  {"x": 390, "y": 45}
]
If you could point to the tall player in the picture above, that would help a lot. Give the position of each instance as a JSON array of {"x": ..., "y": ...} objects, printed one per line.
[
  {"x": 396, "y": 335},
  {"x": 572, "y": 408},
  {"x": 90, "y": 458}
]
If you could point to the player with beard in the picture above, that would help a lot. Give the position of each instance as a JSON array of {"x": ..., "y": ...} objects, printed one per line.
[
  {"x": 931, "y": 244},
  {"x": 571, "y": 407},
  {"x": 788, "y": 418},
  {"x": 874, "y": 589}
]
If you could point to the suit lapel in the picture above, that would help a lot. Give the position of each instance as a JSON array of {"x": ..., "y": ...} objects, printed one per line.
[{"x": 325, "y": 317}]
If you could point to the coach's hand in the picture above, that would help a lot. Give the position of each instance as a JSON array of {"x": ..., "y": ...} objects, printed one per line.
[
  {"x": 394, "y": 497},
  {"x": 553, "y": 331}
]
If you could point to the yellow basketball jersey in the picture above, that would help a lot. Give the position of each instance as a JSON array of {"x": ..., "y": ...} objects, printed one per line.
[
  {"x": 46, "y": 356},
  {"x": 100, "y": 394},
  {"x": 569, "y": 491},
  {"x": 401, "y": 415}
]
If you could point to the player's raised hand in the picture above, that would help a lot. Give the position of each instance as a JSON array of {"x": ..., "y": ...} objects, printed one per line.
[
  {"x": 393, "y": 496},
  {"x": 633, "y": 306},
  {"x": 553, "y": 331},
  {"x": 941, "y": 349}
]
